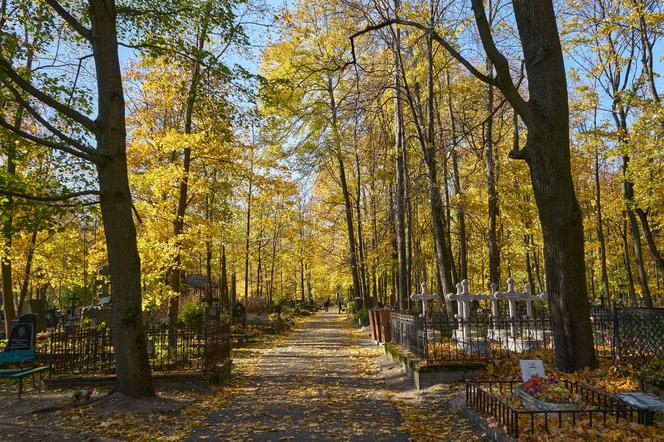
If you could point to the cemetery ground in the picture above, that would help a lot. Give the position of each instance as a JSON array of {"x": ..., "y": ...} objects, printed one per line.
[{"x": 318, "y": 382}]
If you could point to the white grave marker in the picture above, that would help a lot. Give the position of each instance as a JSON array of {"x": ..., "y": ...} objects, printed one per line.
[
  {"x": 530, "y": 368},
  {"x": 424, "y": 297}
]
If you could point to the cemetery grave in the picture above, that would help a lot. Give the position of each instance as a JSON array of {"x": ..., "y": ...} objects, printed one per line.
[{"x": 542, "y": 404}]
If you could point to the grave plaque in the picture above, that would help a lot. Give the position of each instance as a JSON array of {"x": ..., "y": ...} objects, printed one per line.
[
  {"x": 21, "y": 337},
  {"x": 530, "y": 368}
]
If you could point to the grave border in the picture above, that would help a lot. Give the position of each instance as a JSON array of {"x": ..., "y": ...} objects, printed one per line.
[{"x": 480, "y": 397}]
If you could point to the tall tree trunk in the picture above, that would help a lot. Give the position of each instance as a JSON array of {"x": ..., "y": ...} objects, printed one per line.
[
  {"x": 600, "y": 234},
  {"x": 400, "y": 203},
  {"x": 447, "y": 217},
  {"x": 183, "y": 189},
  {"x": 360, "y": 241},
  {"x": 223, "y": 280},
  {"x": 259, "y": 263},
  {"x": 628, "y": 194},
  {"x": 492, "y": 194},
  {"x": 427, "y": 143},
  {"x": 346, "y": 195},
  {"x": 130, "y": 351},
  {"x": 8, "y": 233},
  {"x": 461, "y": 217},
  {"x": 247, "y": 230},
  {"x": 409, "y": 224},
  {"x": 547, "y": 153},
  {"x": 233, "y": 289},
  {"x": 7, "y": 285},
  {"x": 529, "y": 269},
  {"x": 628, "y": 265},
  {"x": 650, "y": 240}
]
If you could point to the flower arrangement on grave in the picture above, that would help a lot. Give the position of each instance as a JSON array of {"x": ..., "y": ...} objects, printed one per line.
[{"x": 549, "y": 390}]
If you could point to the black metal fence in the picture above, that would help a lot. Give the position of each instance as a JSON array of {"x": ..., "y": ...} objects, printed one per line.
[
  {"x": 638, "y": 335},
  {"x": 493, "y": 398},
  {"x": 443, "y": 337},
  {"x": 409, "y": 332},
  {"x": 90, "y": 350}
]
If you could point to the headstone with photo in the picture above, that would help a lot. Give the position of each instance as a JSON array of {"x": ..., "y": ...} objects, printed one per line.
[
  {"x": 530, "y": 368},
  {"x": 22, "y": 335}
]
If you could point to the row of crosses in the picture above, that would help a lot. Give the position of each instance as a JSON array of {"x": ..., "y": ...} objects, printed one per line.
[{"x": 463, "y": 297}]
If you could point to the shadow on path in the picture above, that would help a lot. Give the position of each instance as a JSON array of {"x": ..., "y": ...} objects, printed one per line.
[{"x": 318, "y": 384}]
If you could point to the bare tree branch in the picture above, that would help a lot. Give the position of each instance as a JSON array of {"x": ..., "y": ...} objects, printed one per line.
[
  {"x": 62, "y": 197},
  {"x": 72, "y": 142},
  {"x": 26, "y": 86},
  {"x": 70, "y": 19},
  {"x": 437, "y": 37},
  {"x": 51, "y": 144},
  {"x": 503, "y": 78}
]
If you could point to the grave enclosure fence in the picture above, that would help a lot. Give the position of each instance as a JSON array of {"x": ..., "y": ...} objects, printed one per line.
[
  {"x": 638, "y": 335},
  {"x": 481, "y": 337},
  {"x": 90, "y": 350},
  {"x": 492, "y": 398}
]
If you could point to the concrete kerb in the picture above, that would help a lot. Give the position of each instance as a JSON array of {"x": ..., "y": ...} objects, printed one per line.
[{"x": 424, "y": 376}]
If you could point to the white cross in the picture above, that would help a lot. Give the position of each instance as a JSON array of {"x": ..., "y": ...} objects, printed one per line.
[
  {"x": 424, "y": 297},
  {"x": 512, "y": 296}
]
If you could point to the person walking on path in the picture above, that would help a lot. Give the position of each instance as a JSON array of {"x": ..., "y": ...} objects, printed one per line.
[
  {"x": 341, "y": 305},
  {"x": 327, "y": 304}
]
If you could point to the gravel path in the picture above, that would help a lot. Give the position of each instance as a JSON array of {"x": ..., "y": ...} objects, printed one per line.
[{"x": 320, "y": 383}]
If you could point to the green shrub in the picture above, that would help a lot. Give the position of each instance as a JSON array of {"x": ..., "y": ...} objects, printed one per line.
[
  {"x": 193, "y": 315},
  {"x": 363, "y": 314}
]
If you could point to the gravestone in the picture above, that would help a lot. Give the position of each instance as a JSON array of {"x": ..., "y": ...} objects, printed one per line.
[
  {"x": 239, "y": 314},
  {"x": 212, "y": 316},
  {"x": 530, "y": 368},
  {"x": 51, "y": 318},
  {"x": 22, "y": 335},
  {"x": 38, "y": 307}
]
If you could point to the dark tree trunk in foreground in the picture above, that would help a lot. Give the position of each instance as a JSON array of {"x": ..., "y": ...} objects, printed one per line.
[
  {"x": 110, "y": 159},
  {"x": 547, "y": 153},
  {"x": 131, "y": 361}
]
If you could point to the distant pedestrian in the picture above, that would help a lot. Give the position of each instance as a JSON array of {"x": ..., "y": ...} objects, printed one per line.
[
  {"x": 327, "y": 304},
  {"x": 341, "y": 305}
]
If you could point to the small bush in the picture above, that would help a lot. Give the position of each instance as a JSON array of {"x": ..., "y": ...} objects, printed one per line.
[
  {"x": 193, "y": 315},
  {"x": 362, "y": 314}
]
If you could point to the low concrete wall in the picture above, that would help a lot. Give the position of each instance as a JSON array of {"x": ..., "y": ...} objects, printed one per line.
[{"x": 424, "y": 376}]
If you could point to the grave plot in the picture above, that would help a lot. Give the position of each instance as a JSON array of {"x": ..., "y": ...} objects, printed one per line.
[
  {"x": 539, "y": 406},
  {"x": 474, "y": 334}
]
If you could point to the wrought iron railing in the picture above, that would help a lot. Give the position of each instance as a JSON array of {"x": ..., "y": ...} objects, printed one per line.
[
  {"x": 638, "y": 335},
  {"x": 90, "y": 350},
  {"x": 493, "y": 398},
  {"x": 443, "y": 337}
]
